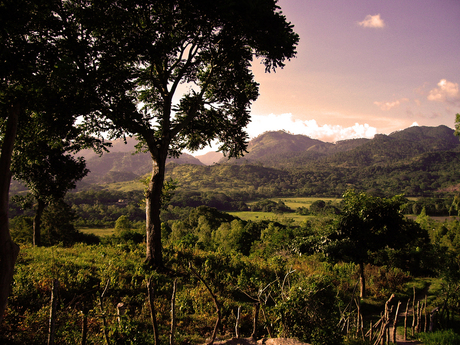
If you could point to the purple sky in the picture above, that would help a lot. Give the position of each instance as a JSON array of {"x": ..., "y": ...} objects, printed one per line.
[{"x": 364, "y": 67}]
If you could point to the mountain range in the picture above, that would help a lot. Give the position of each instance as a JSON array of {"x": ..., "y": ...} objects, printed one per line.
[{"x": 415, "y": 151}]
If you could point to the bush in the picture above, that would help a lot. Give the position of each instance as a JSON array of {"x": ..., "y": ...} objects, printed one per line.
[{"x": 310, "y": 312}]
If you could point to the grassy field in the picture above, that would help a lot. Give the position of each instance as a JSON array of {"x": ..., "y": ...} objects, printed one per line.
[
  {"x": 292, "y": 203},
  {"x": 255, "y": 216},
  {"x": 98, "y": 231}
]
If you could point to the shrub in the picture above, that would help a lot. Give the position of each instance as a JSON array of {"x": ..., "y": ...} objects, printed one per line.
[{"x": 310, "y": 312}]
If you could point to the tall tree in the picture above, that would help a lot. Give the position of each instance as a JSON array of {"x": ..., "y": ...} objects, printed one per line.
[
  {"x": 188, "y": 68},
  {"x": 368, "y": 225},
  {"x": 43, "y": 160},
  {"x": 42, "y": 73}
]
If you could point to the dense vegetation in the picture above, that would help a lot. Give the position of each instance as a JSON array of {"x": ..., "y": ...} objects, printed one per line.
[
  {"x": 72, "y": 72},
  {"x": 283, "y": 266}
]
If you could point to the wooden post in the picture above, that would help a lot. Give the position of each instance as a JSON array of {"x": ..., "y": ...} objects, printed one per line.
[
  {"x": 426, "y": 318},
  {"x": 121, "y": 309},
  {"x": 405, "y": 320},
  {"x": 237, "y": 332},
  {"x": 52, "y": 320},
  {"x": 395, "y": 322},
  {"x": 173, "y": 313},
  {"x": 104, "y": 320},
  {"x": 255, "y": 319},
  {"x": 151, "y": 296},
  {"x": 371, "y": 331},
  {"x": 433, "y": 319},
  {"x": 413, "y": 315}
]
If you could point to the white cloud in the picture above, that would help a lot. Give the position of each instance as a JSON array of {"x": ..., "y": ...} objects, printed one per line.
[
  {"x": 330, "y": 133},
  {"x": 390, "y": 105},
  {"x": 446, "y": 92},
  {"x": 372, "y": 22},
  {"x": 414, "y": 124}
]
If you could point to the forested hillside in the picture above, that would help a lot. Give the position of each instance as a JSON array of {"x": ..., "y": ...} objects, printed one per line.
[{"x": 418, "y": 161}]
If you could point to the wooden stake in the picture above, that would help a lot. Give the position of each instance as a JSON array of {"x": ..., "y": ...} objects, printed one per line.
[
  {"x": 216, "y": 304},
  {"x": 405, "y": 320},
  {"x": 426, "y": 318},
  {"x": 413, "y": 315},
  {"x": 101, "y": 305},
  {"x": 151, "y": 295},
  {"x": 173, "y": 313},
  {"x": 237, "y": 333},
  {"x": 52, "y": 320},
  {"x": 395, "y": 322},
  {"x": 254, "y": 322}
]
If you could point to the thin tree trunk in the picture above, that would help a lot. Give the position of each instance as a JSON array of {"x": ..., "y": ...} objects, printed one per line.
[
  {"x": 426, "y": 319},
  {"x": 413, "y": 315},
  {"x": 237, "y": 333},
  {"x": 362, "y": 281},
  {"x": 52, "y": 321},
  {"x": 37, "y": 223},
  {"x": 104, "y": 320},
  {"x": 8, "y": 249},
  {"x": 216, "y": 303},
  {"x": 405, "y": 320},
  {"x": 151, "y": 294},
  {"x": 153, "y": 195},
  {"x": 395, "y": 323},
  {"x": 173, "y": 313},
  {"x": 255, "y": 321}
]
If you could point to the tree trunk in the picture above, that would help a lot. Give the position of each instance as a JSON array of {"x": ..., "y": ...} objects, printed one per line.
[
  {"x": 362, "y": 281},
  {"x": 153, "y": 195},
  {"x": 8, "y": 249},
  {"x": 37, "y": 242}
]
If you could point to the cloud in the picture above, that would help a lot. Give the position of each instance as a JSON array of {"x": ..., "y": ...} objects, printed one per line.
[
  {"x": 372, "y": 22},
  {"x": 445, "y": 92},
  {"x": 390, "y": 105},
  {"x": 329, "y": 133}
]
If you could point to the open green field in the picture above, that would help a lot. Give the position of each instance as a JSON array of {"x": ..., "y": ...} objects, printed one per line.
[
  {"x": 292, "y": 203},
  {"x": 98, "y": 231},
  {"x": 303, "y": 202},
  {"x": 255, "y": 216}
]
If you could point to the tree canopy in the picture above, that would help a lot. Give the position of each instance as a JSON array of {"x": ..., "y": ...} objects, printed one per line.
[
  {"x": 181, "y": 75},
  {"x": 367, "y": 225}
]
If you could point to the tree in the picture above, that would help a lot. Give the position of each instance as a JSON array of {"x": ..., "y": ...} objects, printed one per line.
[
  {"x": 42, "y": 74},
  {"x": 43, "y": 161},
  {"x": 368, "y": 225},
  {"x": 188, "y": 64}
]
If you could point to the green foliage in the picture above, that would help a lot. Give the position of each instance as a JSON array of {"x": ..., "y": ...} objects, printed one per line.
[
  {"x": 447, "y": 337},
  {"x": 270, "y": 206},
  {"x": 122, "y": 224},
  {"x": 309, "y": 312}
]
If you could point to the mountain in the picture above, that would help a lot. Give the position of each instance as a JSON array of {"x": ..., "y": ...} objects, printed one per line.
[
  {"x": 416, "y": 161},
  {"x": 210, "y": 158},
  {"x": 121, "y": 163}
]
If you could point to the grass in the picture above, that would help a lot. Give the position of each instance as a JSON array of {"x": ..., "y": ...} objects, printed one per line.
[
  {"x": 446, "y": 337},
  {"x": 256, "y": 216},
  {"x": 98, "y": 231}
]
